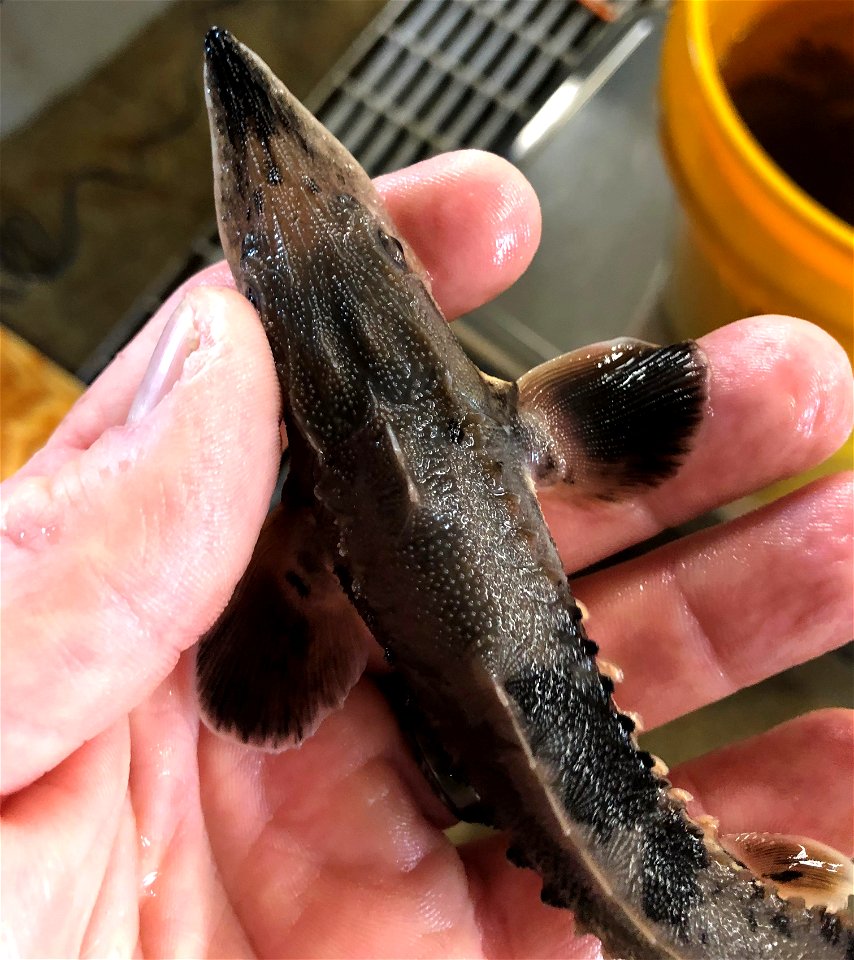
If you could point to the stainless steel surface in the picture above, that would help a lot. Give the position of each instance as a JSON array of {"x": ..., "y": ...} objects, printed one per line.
[
  {"x": 434, "y": 75},
  {"x": 592, "y": 155}
]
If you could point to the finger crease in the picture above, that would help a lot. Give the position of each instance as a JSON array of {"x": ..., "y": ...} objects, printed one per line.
[{"x": 705, "y": 644}]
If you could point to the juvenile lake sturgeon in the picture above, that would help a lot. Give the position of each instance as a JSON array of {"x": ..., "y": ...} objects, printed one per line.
[{"x": 410, "y": 499}]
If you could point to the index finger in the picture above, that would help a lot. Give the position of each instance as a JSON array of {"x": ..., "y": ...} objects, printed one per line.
[{"x": 472, "y": 218}]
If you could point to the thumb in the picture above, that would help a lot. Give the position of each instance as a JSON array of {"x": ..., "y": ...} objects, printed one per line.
[{"x": 118, "y": 559}]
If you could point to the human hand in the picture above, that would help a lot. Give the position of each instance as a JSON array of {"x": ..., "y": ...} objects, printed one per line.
[{"x": 128, "y": 828}]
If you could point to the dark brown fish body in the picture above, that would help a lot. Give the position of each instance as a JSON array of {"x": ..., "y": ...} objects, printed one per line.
[{"x": 411, "y": 486}]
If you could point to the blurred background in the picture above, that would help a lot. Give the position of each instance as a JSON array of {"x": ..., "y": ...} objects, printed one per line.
[{"x": 106, "y": 198}]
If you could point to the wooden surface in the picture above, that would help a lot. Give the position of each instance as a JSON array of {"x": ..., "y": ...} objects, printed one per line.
[{"x": 35, "y": 395}]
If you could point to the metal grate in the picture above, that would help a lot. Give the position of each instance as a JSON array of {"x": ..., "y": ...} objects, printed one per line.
[
  {"x": 445, "y": 74},
  {"x": 426, "y": 76}
]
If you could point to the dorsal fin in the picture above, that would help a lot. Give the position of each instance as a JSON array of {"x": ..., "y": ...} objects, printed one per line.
[{"x": 614, "y": 416}]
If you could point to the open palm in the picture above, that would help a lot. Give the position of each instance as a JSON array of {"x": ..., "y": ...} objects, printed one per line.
[{"x": 129, "y": 829}]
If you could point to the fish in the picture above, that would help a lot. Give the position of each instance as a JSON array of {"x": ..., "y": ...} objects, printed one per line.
[{"x": 410, "y": 510}]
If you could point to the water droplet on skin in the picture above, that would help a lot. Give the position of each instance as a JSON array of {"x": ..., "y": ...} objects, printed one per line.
[
  {"x": 505, "y": 247},
  {"x": 165, "y": 752},
  {"x": 148, "y": 881},
  {"x": 29, "y": 535},
  {"x": 30, "y": 516}
]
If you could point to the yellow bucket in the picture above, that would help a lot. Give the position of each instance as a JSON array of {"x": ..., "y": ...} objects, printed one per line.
[{"x": 752, "y": 241}]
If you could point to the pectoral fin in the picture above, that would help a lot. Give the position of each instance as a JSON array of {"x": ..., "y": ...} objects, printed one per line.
[
  {"x": 797, "y": 867},
  {"x": 289, "y": 645},
  {"x": 614, "y": 416}
]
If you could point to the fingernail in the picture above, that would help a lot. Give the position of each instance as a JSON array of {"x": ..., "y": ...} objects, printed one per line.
[{"x": 178, "y": 340}]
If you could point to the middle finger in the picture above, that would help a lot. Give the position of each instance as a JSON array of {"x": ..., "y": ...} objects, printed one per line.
[{"x": 696, "y": 620}]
